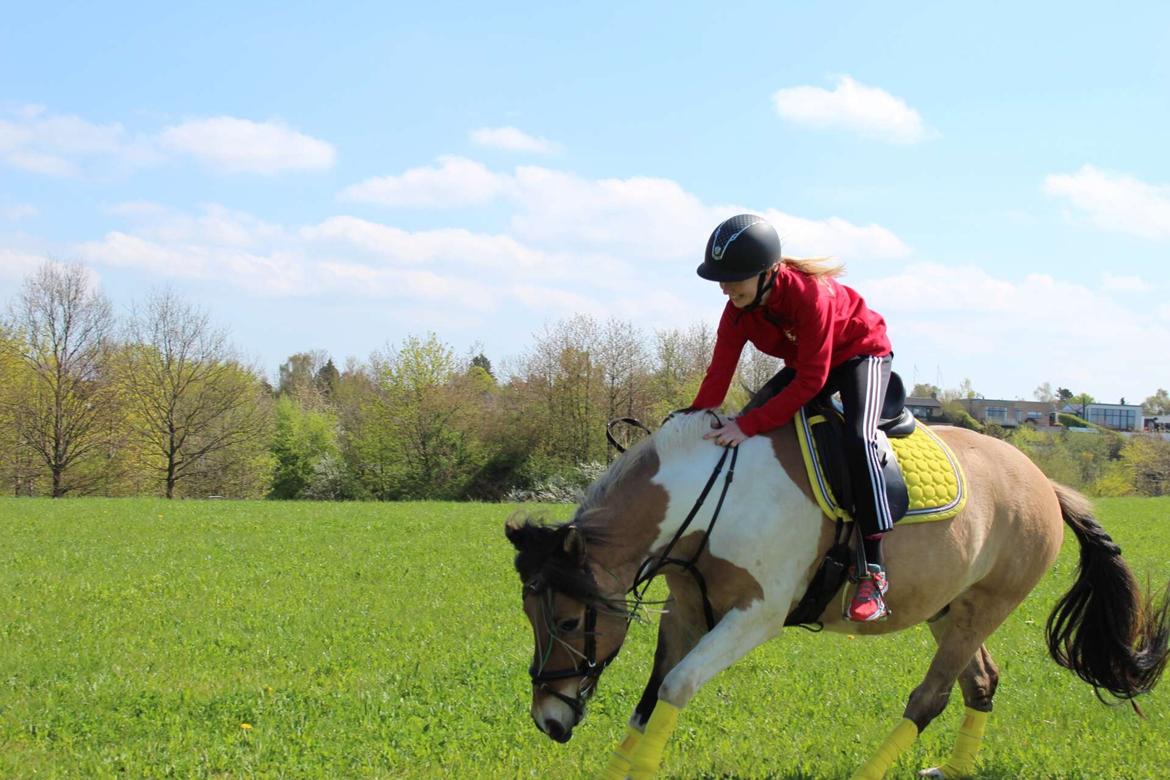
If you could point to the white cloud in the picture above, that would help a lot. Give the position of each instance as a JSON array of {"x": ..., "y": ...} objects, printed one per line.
[
  {"x": 640, "y": 219},
  {"x": 19, "y": 211},
  {"x": 1125, "y": 284},
  {"x": 513, "y": 140},
  {"x": 1115, "y": 201},
  {"x": 408, "y": 284},
  {"x": 60, "y": 145},
  {"x": 852, "y": 106},
  {"x": 136, "y": 208},
  {"x": 455, "y": 181},
  {"x": 64, "y": 145},
  {"x": 453, "y": 247},
  {"x": 654, "y": 218},
  {"x": 275, "y": 272},
  {"x": 558, "y": 303},
  {"x": 16, "y": 265},
  {"x": 835, "y": 237},
  {"x": 1018, "y": 333},
  {"x": 243, "y": 146}
]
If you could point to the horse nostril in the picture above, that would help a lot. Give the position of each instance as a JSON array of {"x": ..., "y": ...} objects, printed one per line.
[{"x": 554, "y": 729}]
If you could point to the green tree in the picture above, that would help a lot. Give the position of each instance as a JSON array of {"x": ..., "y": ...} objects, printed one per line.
[
  {"x": 1147, "y": 459},
  {"x": 923, "y": 390},
  {"x": 326, "y": 379},
  {"x": 1082, "y": 401},
  {"x": 20, "y": 467},
  {"x": 682, "y": 360},
  {"x": 411, "y": 438},
  {"x": 481, "y": 361},
  {"x": 302, "y": 439},
  {"x": 564, "y": 378}
]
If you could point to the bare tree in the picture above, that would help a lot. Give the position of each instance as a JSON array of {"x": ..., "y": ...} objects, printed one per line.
[
  {"x": 682, "y": 360},
  {"x": 563, "y": 375},
  {"x": 62, "y": 328},
  {"x": 624, "y": 369},
  {"x": 190, "y": 397}
]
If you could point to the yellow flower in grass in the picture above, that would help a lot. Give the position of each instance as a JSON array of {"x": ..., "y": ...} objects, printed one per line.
[{"x": 246, "y": 726}]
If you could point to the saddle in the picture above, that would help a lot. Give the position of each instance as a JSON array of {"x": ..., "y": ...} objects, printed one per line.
[{"x": 819, "y": 427}]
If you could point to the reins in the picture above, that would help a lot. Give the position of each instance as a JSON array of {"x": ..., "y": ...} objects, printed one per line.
[{"x": 652, "y": 566}]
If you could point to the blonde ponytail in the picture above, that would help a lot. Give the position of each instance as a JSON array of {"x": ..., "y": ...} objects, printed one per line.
[{"x": 818, "y": 267}]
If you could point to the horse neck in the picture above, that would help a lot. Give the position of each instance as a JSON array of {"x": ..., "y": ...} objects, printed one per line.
[{"x": 639, "y": 513}]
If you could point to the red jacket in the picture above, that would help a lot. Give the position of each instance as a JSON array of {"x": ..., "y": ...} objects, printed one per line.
[{"x": 813, "y": 324}]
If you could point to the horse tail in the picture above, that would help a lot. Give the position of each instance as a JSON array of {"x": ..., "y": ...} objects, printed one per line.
[{"x": 1103, "y": 629}]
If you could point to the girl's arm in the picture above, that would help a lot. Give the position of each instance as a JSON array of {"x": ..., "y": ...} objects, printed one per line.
[{"x": 729, "y": 342}]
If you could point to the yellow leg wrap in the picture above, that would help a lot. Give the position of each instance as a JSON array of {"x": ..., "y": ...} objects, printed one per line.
[
  {"x": 887, "y": 753},
  {"x": 962, "y": 760},
  {"x": 648, "y": 752},
  {"x": 619, "y": 760}
]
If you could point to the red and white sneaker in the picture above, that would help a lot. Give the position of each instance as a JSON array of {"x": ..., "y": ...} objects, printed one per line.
[{"x": 868, "y": 604}]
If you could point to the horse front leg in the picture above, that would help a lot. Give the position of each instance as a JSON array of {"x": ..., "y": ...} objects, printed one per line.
[
  {"x": 737, "y": 633},
  {"x": 676, "y": 636}
]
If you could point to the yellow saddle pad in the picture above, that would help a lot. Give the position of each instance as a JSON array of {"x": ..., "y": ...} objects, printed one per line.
[{"x": 934, "y": 478}]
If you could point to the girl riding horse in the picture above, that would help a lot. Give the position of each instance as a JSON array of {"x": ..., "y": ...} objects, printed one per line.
[{"x": 829, "y": 340}]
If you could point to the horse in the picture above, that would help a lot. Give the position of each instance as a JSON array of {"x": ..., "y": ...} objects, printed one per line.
[{"x": 733, "y": 582}]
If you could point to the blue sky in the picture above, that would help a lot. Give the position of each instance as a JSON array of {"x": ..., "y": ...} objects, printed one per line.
[{"x": 995, "y": 178}]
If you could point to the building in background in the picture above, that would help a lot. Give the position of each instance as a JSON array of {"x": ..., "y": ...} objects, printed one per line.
[
  {"x": 1010, "y": 414},
  {"x": 926, "y": 409},
  {"x": 1159, "y": 423},
  {"x": 1117, "y": 417}
]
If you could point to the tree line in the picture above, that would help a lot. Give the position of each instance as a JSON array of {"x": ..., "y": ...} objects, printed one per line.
[{"x": 160, "y": 403}]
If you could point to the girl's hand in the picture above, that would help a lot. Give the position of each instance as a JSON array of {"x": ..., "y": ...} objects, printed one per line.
[{"x": 728, "y": 435}]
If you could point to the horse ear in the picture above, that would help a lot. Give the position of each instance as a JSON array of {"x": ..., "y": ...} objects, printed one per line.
[
  {"x": 516, "y": 529},
  {"x": 574, "y": 544}
]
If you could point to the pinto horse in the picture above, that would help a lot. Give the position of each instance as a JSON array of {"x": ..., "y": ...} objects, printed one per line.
[{"x": 962, "y": 576}]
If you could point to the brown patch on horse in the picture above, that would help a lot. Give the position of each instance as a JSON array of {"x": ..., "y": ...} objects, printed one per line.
[
  {"x": 786, "y": 448},
  {"x": 627, "y": 513},
  {"x": 728, "y": 586}
]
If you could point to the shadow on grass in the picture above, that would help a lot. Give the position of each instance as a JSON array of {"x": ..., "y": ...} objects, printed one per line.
[{"x": 990, "y": 771}]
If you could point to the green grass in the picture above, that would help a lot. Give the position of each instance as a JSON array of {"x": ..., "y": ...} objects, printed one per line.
[{"x": 387, "y": 640}]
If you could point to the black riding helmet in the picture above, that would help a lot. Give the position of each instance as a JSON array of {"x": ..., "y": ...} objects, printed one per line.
[{"x": 740, "y": 248}]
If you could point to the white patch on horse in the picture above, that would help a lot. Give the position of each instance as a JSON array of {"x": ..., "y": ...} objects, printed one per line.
[
  {"x": 553, "y": 709},
  {"x": 767, "y": 526}
]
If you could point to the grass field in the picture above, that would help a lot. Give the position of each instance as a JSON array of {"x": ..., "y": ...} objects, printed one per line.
[{"x": 143, "y": 638}]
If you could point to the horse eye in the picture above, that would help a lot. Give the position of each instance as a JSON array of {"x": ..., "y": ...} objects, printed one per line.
[{"x": 569, "y": 625}]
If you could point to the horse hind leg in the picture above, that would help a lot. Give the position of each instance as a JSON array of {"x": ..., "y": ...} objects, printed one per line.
[
  {"x": 960, "y": 636},
  {"x": 978, "y": 682}
]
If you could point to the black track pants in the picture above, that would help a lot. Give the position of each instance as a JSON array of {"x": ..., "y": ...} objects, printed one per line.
[{"x": 862, "y": 382}]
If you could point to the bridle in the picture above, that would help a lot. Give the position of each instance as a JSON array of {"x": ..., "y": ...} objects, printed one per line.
[{"x": 585, "y": 665}]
